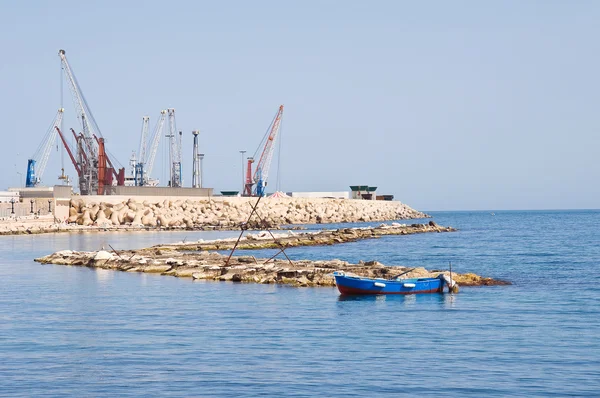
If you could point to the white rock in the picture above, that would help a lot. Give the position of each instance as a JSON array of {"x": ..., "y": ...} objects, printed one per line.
[{"x": 103, "y": 255}]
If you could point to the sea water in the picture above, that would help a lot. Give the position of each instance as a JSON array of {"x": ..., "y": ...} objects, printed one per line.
[{"x": 73, "y": 331}]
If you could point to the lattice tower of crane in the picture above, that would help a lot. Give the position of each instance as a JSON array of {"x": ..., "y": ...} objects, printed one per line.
[{"x": 256, "y": 181}]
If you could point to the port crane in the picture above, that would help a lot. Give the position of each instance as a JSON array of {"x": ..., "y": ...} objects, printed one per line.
[
  {"x": 174, "y": 150},
  {"x": 256, "y": 181},
  {"x": 145, "y": 164},
  {"x": 94, "y": 168},
  {"x": 37, "y": 164},
  {"x": 144, "y": 137},
  {"x": 138, "y": 167}
]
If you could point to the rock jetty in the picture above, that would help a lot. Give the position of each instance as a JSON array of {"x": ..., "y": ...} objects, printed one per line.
[
  {"x": 213, "y": 266},
  {"x": 274, "y": 240},
  {"x": 231, "y": 212},
  {"x": 222, "y": 213}
]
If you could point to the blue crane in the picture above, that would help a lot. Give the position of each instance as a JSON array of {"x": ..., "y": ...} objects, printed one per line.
[{"x": 36, "y": 165}]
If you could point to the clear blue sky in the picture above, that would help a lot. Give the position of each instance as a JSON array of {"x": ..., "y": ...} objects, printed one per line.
[{"x": 446, "y": 105}]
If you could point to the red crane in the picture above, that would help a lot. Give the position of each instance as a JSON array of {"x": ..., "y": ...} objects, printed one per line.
[
  {"x": 77, "y": 168},
  {"x": 105, "y": 174}
]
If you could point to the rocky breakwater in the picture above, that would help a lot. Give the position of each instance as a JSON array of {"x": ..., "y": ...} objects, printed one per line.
[
  {"x": 213, "y": 266},
  {"x": 231, "y": 212},
  {"x": 270, "y": 240}
]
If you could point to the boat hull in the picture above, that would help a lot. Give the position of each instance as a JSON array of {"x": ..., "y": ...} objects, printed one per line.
[{"x": 358, "y": 285}]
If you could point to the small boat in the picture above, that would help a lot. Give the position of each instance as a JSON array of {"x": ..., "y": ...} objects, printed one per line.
[{"x": 361, "y": 285}]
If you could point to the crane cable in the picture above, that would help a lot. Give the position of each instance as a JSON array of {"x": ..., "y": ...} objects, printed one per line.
[
  {"x": 50, "y": 136},
  {"x": 265, "y": 137},
  {"x": 278, "y": 180}
]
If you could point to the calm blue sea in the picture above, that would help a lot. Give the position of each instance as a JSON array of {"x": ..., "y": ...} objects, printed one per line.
[{"x": 69, "y": 331}]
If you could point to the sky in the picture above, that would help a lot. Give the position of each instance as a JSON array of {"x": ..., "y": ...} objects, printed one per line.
[{"x": 462, "y": 105}]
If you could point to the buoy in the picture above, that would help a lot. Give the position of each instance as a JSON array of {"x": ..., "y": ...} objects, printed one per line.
[
  {"x": 408, "y": 285},
  {"x": 379, "y": 284}
]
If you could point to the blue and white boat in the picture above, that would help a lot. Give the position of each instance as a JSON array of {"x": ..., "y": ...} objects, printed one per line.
[{"x": 361, "y": 285}]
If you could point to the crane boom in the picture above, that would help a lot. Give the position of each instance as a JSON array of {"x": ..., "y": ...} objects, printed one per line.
[
  {"x": 144, "y": 138},
  {"x": 69, "y": 151},
  {"x": 88, "y": 123},
  {"x": 261, "y": 172},
  {"x": 158, "y": 131},
  {"x": 88, "y": 180},
  {"x": 86, "y": 175},
  {"x": 37, "y": 164}
]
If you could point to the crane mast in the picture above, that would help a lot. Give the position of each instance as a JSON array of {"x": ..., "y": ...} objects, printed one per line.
[
  {"x": 256, "y": 182},
  {"x": 139, "y": 166},
  {"x": 174, "y": 156},
  {"x": 196, "y": 183},
  {"x": 37, "y": 164},
  {"x": 85, "y": 174},
  {"x": 179, "y": 140}
]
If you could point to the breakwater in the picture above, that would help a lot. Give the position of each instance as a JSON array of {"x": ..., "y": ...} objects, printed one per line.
[
  {"x": 270, "y": 240},
  {"x": 231, "y": 212},
  {"x": 214, "y": 266},
  {"x": 209, "y": 214},
  {"x": 198, "y": 260}
]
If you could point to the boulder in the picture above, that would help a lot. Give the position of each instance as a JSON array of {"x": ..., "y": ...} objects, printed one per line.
[
  {"x": 114, "y": 218},
  {"x": 162, "y": 221},
  {"x": 94, "y": 212},
  {"x": 148, "y": 221},
  {"x": 86, "y": 220},
  {"x": 103, "y": 255},
  {"x": 101, "y": 218}
]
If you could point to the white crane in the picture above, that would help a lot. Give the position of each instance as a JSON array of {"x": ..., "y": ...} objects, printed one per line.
[
  {"x": 144, "y": 137},
  {"x": 37, "y": 164},
  {"x": 139, "y": 166},
  {"x": 148, "y": 164},
  {"x": 174, "y": 150},
  {"x": 95, "y": 167},
  {"x": 88, "y": 181}
]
